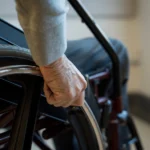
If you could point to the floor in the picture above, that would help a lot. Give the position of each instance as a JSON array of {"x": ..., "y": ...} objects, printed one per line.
[{"x": 143, "y": 129}]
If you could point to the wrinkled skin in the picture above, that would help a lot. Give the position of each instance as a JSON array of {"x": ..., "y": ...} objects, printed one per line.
[{"x": 64, "y": 85}]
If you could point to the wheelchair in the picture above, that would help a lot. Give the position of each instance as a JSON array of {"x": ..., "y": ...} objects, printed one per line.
[{"x": 25, "y": 116}]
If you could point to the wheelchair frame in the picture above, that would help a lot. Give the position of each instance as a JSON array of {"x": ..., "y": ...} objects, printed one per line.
[{"x": 118, "y": 115}]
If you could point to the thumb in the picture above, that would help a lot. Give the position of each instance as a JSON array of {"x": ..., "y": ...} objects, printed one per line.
[{"x": 49, "y": 94}]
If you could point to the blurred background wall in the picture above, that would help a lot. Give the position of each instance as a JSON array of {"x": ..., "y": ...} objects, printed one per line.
[
  {"x": 144, "y": 24},
  {"x": 126, "y": 20}
]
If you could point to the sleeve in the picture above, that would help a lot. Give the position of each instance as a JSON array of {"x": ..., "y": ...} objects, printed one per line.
[{"x": 44, "y": 25}]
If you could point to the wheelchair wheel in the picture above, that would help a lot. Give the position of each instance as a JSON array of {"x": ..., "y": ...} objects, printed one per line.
[{"x": 17, "y": 72}]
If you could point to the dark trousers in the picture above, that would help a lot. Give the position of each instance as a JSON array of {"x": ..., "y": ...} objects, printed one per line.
[{"x": 88, "y": 56}]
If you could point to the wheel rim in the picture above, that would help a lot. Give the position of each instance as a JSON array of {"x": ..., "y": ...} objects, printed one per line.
[{"x": 33, "y": 70}]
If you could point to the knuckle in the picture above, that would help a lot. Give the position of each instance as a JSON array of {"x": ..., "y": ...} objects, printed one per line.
[
  {"x": 78, "y": 103},
  {"x": 85, "y": 84},
  {"x": 70, "y": 95},
  {"x": 57, "y": 105},
  {"x": 65, "y": 106},
  {"x": 81, "y": 102},
  {"x": 49, "y": 101},
  {"x": 78, "y": 90}
]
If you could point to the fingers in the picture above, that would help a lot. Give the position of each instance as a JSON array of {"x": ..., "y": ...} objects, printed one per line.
[
  {"x": 80, "y": 100},
  {"x": 77, "y": 102},
  {"x": 49, "y": 94},
  {"x": 51, "y": 99},
  {"x": 62, "y": 103}
]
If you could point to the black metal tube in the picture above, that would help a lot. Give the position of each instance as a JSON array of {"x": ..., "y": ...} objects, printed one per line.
[
  {"x": 23, "y": 125},
  {"x": 134, "y": 133},
  {"x": 103, "y": 40}
]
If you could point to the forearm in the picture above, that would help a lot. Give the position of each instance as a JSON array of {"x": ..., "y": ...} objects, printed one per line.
[{"x": 44, "y": 24}]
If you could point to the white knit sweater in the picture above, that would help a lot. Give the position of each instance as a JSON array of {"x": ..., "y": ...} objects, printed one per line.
[{"x": 44, "y": 24}]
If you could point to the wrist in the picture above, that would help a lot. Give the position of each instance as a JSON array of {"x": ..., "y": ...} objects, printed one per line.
[{"x": 56, "y": 63}]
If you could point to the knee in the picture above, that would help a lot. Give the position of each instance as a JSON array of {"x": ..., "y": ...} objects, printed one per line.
[{"x": 122, "y": 53}]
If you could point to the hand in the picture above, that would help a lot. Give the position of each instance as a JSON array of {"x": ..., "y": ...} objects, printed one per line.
[{"x": 64, "y": 85}]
